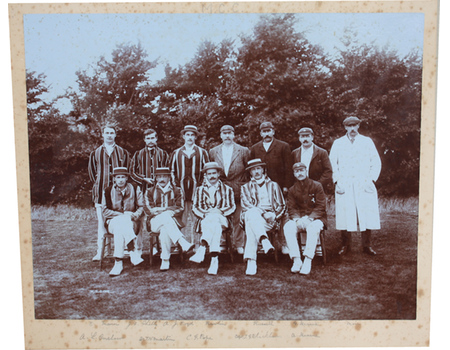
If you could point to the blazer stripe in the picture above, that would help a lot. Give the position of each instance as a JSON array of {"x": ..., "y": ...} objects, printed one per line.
[{"x": 223, "y": 200}]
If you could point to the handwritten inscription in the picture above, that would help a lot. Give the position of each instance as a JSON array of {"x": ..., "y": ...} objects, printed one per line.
[
  {"x": 157, "y": 339},
  {"x": 219, "y": 7},
  {"x": 100, "y": 337},
  {"x": 257, "y": 335},
  {"x": 304, "y": 335}
]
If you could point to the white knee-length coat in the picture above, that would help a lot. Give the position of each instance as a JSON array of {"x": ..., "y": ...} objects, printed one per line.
[{"x": 356, "y": 166}]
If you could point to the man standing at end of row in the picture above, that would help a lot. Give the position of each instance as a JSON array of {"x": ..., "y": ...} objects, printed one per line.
[
  {"x": 102, "y": 161},
  {"x": 315, "y": 158},
  {"x": 186, "y": 164},
  {"x": 232, "y": 158},
  {"x": 356, "y": 166}
]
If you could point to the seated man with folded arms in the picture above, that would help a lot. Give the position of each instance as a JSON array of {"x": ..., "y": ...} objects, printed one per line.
[
  {"x": 164, "y": 205},
  {"x": 122, "y": 209},
  {"x": 262, "y": 206},
  {"x": 306, "y": 204},
  {"x": 212, "y": 203}
]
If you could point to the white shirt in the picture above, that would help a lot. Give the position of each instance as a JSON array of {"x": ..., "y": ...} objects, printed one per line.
[
  {"x": 109, "y": 148},
  {"x": 188, "y": 150},
  {"x": 227, "y": 152},
  {"x": 267, "y": 145},
  {"x": 307, "y": 156}
]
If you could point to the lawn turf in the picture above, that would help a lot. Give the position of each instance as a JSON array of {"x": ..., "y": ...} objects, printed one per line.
[{"x": 68, "y": 285}]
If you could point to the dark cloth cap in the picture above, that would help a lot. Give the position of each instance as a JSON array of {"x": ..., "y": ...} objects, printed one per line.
[
  {"x": 192, "y": 128},
  {"x": 305, "y": 131},
  {"x": 162, "y": 171},
  {"x": 351, "y": 120},
  {"x": 226, "y": 128},
  {"x": 120, "y": 171},
  {"x": 298, "y": 165},
  {"x": 254, "y": 163},
  {"x": 266, "y": 125}
]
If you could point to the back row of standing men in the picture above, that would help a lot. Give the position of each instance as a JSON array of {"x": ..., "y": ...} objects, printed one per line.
[{"x": 353, "y": 167}]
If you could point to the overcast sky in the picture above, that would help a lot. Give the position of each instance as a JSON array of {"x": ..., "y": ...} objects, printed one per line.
[{"x": 60, "y": 44}]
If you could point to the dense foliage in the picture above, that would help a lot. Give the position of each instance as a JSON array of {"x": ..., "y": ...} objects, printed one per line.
[{"x": 274, "y": 74}]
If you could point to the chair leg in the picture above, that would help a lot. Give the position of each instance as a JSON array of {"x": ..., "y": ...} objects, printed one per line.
[
  {"x": 150, "y": 259},
  {"x": 103, "y": 251},
  {"x": 322, "y": 243}
]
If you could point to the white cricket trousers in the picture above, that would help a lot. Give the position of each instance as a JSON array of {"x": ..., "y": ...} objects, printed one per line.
[
  {"x": 169, "y": 232},
  {"x": 122, "y": 227},
  {"x": 255, "y": 228},
  {"x": 212, "y": 226},
  {"x": 312, "y": 235}
]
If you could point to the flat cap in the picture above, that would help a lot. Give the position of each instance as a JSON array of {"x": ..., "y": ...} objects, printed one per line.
[
  {"x": 351, "y": 120},
  {"x": 305, "y": 131},
  {"x": 298, "y": 165},
  {"x": 266, "y": 125},
  {"x": 226, "y": 128}
]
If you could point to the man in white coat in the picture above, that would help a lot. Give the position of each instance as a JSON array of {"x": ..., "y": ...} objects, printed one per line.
[{"x": 356, "y": 167}]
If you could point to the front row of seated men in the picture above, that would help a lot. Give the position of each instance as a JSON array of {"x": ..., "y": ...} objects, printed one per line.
[{"x": 263, "y": 207}]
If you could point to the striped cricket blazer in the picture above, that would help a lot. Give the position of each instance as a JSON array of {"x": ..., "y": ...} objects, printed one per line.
[
  {"x": 223, "y": 200},
  {"x": 101, "y": 166},
  {"x": 143, "y": 164},
  {"x": 172, "y": 200},
  {"x": 178, "y": 167},
  {"x": 249, "y": 198}
]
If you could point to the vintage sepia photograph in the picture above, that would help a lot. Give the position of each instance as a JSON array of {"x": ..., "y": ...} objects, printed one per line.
[{"x": 189, "y": 169}]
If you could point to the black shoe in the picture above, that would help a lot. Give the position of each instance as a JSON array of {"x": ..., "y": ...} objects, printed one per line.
[
  {"x": 344, "y": 250},
  {"x": 369, "y": 251}
]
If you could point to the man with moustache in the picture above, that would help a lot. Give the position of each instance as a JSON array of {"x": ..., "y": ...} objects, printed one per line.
[
  {"x": 122, "y": 209},
  {"x": 146, "y": 160},
  {"x": 262, "y": 206},
  {"x": 232, "y": 158},
  {"x": 212, "y": 203},
  {"x": 315, "y": 159},
  {"x": 277, "y": 155},
  {"x": 186, "y": 164},
  {"x": 356, "y": 166},
  {"x": 102, "y": 161},
  {"x": 306, "y": 203},
  {"x": 164, "y": 204}
]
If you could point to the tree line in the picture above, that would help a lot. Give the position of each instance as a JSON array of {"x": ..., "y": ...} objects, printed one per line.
[{"x": 272, "y": 74}]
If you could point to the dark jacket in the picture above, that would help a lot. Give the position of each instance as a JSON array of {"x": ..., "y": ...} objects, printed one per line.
[
  {"x": 278, "y": 159},
  {"x": 307, "y": 198},
  {"x": 320, "y": 167}
]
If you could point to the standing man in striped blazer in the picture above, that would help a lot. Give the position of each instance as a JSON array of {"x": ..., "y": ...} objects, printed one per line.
[
  {"x": 146, "y": 160},
  {"x": 232, "y": 158},
  {"x": 263, "y": 205},
  {"x": 102, "y": 161},
  {"x": 212, "y": 203},
  {"x": 186, "y": 164}
]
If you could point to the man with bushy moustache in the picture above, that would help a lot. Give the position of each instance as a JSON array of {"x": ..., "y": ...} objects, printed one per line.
[
  {"x": 263, "y": 206},
  {"x": 164, "y": 205},
  {"x": 213, "y": 202},
  {"x": 306, "y": 203}
]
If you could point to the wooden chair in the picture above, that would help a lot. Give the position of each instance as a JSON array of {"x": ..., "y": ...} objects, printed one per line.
[{"x": 320, "y": 248}]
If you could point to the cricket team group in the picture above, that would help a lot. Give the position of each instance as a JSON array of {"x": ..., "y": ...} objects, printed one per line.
[{"x": 248, "y": 190}]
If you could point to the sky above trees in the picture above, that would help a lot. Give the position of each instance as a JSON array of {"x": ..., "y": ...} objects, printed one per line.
[{"x": 60, "y": 44}]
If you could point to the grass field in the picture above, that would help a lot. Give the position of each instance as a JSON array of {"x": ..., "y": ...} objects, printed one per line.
[{"x": 68, "y": 285}]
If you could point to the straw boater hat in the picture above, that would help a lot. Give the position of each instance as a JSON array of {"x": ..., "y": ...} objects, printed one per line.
[
  {"x": 162, "y": 171},
  {"x": 266, "y": 125},
  {"x": 254, "y": 163},
  {"x": 351, "y": 120},
  {"x": 191, "y": 128},
  {"x": 298, "y": 165},
  {"x": 211, "y": 165},
  {"x": 120, "y": 171},
  {"x": 305, "y": 131}
]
